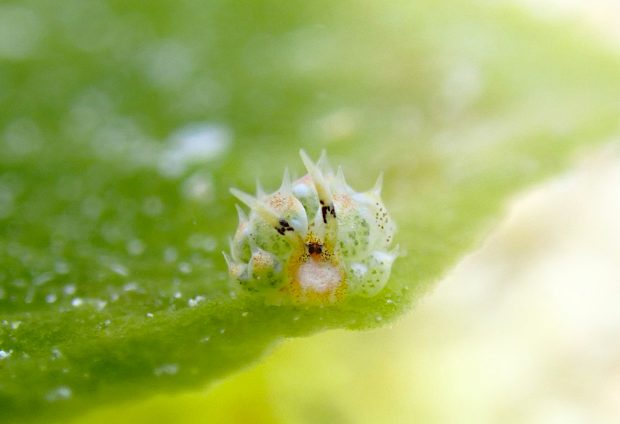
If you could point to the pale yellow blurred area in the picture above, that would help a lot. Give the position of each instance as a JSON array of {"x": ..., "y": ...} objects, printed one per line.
[{"x": 601, "y": 16}]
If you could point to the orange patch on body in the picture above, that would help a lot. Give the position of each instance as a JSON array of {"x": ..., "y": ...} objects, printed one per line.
[{"x": 316, "y": 278}]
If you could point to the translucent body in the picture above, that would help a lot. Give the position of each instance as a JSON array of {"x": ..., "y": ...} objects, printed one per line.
[{"x": 314, "y": 240}]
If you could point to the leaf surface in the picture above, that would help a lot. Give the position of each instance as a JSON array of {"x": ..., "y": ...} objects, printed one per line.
[{"x": 112, "y": 285}]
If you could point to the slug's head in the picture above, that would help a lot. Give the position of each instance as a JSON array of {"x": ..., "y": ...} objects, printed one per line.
[{"x": 314, "y": 240}]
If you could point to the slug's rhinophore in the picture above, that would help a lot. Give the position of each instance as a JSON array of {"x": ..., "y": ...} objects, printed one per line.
[{"x": 314, "y": 240}]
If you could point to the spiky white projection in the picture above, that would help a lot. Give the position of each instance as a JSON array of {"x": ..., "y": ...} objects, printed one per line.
[{"x": 314, "y": 240}]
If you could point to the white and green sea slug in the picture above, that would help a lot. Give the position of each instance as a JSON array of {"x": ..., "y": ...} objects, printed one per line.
[{"x": 314, "y": 240}]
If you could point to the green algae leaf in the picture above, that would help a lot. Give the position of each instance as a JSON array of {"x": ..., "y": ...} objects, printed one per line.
[{"x": 123, "y": 125}]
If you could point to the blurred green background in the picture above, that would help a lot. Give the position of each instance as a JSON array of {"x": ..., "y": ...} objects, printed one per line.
[{"x": 123, "y": 124}]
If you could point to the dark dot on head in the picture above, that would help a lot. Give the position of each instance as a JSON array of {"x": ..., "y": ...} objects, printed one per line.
[{"x": 315, "y": 248}]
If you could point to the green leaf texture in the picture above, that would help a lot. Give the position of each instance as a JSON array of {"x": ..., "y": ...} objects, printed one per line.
[{"x": 112, "y": 284}]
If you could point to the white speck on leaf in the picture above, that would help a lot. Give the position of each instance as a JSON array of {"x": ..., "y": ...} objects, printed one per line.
[
  {"x": 195, "y": 301},
  {"x": 199, "y": 187},
  {"x": 60, "y": 393},
  {"x": 61, "y": 268},
  {"x": 99, "y": 304},
  {"x": 185, "y": 267},
  {"x": 69, "y": 289},
  {"x": 194, "y": 143},
  {"x": 119, "y": 269},
  {"x": 131, "y": 287},
  {"x": 135, "y": 247},
  {"x": 166, "y": 369},
  {"x": 42, "y": 278},
  {"x": 170, "y": 254}
]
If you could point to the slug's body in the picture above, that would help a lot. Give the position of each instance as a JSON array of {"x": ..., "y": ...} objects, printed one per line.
[{"x": 314, "y": 240}]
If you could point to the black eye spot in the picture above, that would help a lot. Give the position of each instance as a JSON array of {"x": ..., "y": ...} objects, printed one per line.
[
  {"x": 283, "y": 227},
  {"x": 329, "y": 209},
  {"x": 315, "y": 248}
]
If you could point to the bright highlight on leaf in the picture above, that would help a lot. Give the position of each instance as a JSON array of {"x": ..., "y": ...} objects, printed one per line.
[{"x": 314, "y": 240}]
